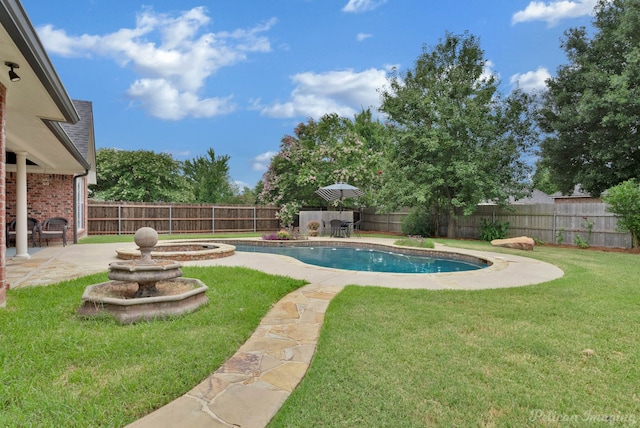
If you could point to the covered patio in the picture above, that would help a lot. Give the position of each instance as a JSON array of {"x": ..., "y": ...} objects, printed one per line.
[{"x": 41, "y": 139}]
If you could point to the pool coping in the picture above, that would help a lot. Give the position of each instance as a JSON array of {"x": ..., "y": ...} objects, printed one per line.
[
  {"x": 412, "y": 251},
  {"x": 506, "y": 270}
]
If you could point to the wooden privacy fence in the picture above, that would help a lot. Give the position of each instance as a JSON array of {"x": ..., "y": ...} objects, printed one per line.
[
  {"x": 547, "y": 222},
  {"x": 120, "y": 218}
]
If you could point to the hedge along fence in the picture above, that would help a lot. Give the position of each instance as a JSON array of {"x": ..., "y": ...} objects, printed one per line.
[
  {"x": 122, "y": 218},
  {"x": 546, "y": 222}
]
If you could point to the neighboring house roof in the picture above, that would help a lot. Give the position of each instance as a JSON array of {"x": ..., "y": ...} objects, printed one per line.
[
  {"x": 577, "y": 192},
  {"x": 36, "y": 104},
  {"x": 81, "y": 134},
  {"x": 536, "y": 197}
]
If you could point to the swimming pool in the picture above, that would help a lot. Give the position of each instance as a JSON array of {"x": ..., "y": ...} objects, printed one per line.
[{"x": 366, "y": 259}]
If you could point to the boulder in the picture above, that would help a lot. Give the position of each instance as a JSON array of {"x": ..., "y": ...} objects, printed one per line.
[{"x": 519, "y": 243}]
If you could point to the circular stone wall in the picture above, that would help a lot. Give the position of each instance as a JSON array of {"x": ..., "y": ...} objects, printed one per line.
[{"x": 182, "y": 250}]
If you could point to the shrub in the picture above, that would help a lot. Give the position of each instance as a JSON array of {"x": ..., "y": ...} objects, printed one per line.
[
  {"x": 282, "y": 235},
  {"x": 419, "y": 222},
  {"x": 624, "y": 202},
  {"x": 580, "y": 241},
  {"x": 493, "y": 230},
  {"x": 313, "y": 225}
]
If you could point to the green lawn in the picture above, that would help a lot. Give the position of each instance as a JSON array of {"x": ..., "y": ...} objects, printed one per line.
[
  {"x": 57, "y": 370},
  {"x": 105, "y": 239},
  {"x": 563, "y": 353}
]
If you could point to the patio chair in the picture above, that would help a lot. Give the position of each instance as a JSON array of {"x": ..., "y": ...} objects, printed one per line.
[
  {"x": 33, "y": 228},
  {"x": 54, "y": 228},
  {"x": 356, "y": 228},
  {"x": 336, "y": 228}
]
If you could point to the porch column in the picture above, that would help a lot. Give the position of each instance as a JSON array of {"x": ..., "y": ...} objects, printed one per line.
[{"x": 22, "y": 247}]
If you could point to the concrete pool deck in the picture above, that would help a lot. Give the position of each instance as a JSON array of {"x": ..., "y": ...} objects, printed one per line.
[{"x": 252, "y": 385}]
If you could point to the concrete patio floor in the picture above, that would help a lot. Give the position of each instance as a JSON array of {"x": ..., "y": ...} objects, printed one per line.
[{"x": 252, "y": 385}]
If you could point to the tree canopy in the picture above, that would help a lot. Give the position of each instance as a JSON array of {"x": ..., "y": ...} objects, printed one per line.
[
  {"x": 146, "y": 176},
  {"x": 139, "y": 176},
  {"x": 592, "y": 108},
  {"x": 209, "y": 178},
  {"x": 456, "y": 140},
  {"x": 330, "y": 150}
]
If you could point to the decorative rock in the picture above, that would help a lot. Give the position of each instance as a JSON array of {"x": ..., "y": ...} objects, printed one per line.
[{"x": 519, "y": 243}]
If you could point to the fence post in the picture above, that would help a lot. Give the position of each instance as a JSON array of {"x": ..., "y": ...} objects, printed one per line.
[
  {"x": 255, "y": 219},
  {"x": 119, "y": 219},
  {"x": 553, "y": 226},
  {"x": 170, "y": 218},
  {"x": 213, "y": 219}
]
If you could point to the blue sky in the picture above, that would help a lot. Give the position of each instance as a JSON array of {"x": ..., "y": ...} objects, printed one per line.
[{"x": 237, "y": 75}]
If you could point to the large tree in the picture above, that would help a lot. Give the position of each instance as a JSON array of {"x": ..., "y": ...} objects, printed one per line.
[
  {"x": 457, "y": 141},
  {"x": 332, "y": 149},
  {"x": 139, "y": 176},
  {"x": 592, "y": 107},
  {"x": 209, "y": 178}
]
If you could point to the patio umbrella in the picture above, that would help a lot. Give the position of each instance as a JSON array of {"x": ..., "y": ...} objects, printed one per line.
[{"x": 339, "y": 191}]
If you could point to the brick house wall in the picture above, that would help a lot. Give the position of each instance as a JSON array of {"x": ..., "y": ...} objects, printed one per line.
[
  {"x": 3, "y": 272},
  {"x": 48, "y": 195}
]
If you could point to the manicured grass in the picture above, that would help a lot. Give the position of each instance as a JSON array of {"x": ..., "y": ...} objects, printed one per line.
[
  {"x": 415, "y": 242},
  {"x": 57, "y": 370},
  {"x": 106, "y": 239},
  {"x": 563, "y": 353}
]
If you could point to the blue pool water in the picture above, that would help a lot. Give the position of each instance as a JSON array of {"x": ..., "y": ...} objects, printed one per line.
[{"x": 365, "y": 259}]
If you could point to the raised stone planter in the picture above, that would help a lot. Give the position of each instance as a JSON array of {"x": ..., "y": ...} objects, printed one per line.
[{"x": 181, "y": 250}]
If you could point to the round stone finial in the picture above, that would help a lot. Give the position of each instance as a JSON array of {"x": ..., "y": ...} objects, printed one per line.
[{"x": 146, "y": 237}]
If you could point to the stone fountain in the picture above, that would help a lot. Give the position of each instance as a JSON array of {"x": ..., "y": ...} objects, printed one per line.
[{"x": 144, "y": 288}]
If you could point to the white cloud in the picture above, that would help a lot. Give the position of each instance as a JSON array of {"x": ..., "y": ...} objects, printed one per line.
[
  {"x": 184, "y": 154},
  {"x": 363, "y": 36},
  {"x": 531, "y": 81},
  {"x": 554, "y": 11},
  {"x": 241, "y": 185},
  {"x": 162, "y": 100},
  {"x": 488, "y": 71},
  {"x": 358, "y": 6},
  {"x": 343, "y": 92},
  {"x": 173, "y": 57},
  {"x": 262, "y": 161}
]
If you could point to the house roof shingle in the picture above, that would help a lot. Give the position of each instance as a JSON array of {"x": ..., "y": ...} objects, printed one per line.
[{"x": 81, "y": 133}]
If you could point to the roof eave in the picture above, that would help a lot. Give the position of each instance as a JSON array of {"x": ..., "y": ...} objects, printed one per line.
[
  {"x": 63, "y": 137},
  {"x": 14, "y": 19}
]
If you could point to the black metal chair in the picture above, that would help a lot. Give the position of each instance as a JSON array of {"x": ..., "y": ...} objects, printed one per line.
[
  {"x": 54, "y": 228},
  {"x": 355, "y": 227},
  {"x": 33, "y": 228},
  {"x": 336, "y": 228}
]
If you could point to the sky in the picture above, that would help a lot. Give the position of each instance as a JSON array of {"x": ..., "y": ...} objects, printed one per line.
[{"x": 184, "y": 76}]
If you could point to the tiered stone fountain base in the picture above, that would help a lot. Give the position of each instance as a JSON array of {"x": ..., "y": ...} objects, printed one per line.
[{"x": 144, "y": 289}]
